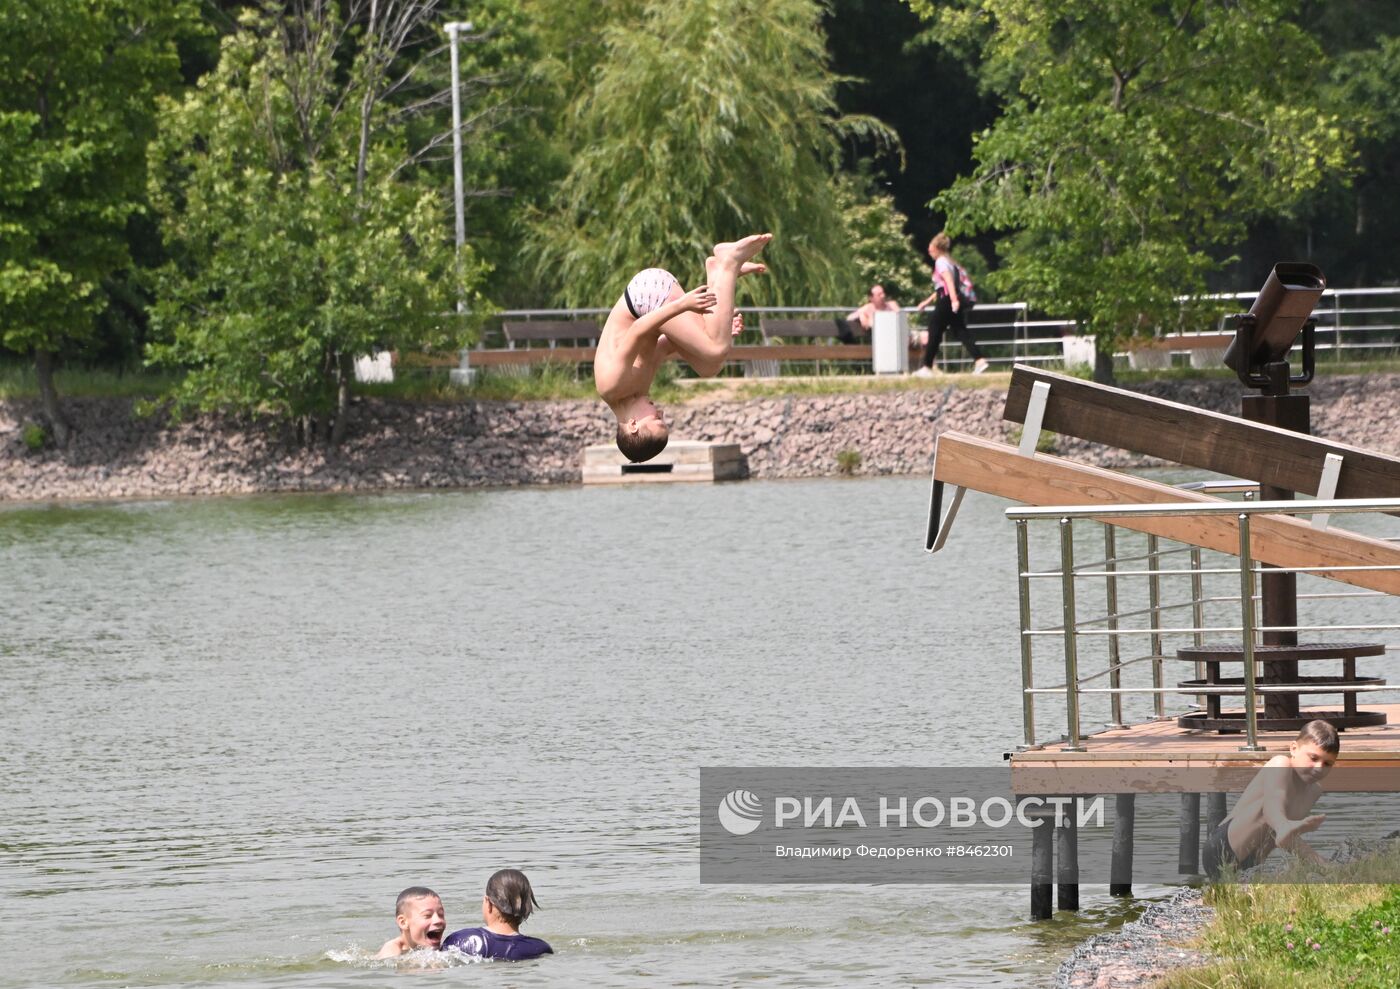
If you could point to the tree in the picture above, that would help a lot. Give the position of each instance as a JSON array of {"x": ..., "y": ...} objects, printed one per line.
[
  {"x": 78, "y": 83},
  {"x": 1351, "y": 227},
  {"x": 1138, "y": 139},
  {"x": 705, "y": 120},
  {"x": 877, "y": 247},
  {"x": 301, "y": 231}
]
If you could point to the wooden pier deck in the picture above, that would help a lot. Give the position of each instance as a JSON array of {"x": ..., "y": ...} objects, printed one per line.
[{"x": 1159, "y": 756}]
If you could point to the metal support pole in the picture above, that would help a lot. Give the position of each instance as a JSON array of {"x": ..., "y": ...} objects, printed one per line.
[
  {"x": 1188, "y": 857},
  {"x": 1215, "y": 811},
  {"x": 1154, "y": 604},
  {"x": 1251, "y": 714},
  {"x": 1023, "y": 566},
  {"x": 1042, "y": 867},
  {"x": 1071, "y": 654},
  {"x": 463, "y": 374},
  {"x": 1067, "y": 866},
  {"x": 1198, "y": 615},
  {"x": 1120, "y": 871},
  {"x": 1115, "y": 677}
]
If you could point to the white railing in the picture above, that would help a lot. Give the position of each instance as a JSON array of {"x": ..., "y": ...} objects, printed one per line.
[{"x": 1352, "y": 324}]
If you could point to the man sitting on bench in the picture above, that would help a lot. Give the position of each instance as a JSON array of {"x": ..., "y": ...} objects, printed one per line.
[
  {"x": 861, "y": 320},
  {"x": 656, "y": 319}
]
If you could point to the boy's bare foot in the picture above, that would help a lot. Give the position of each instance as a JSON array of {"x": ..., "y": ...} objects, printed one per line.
[
  {"x": 742, "y": 250},
  {"x": 752, "y": 268}
]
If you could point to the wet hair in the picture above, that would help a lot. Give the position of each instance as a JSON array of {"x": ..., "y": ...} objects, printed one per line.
[
  {"x": 638, "y": 446},
  {"x": 1322, "y": 734},
  {"x": 509, "y": 892},
  {"x": 942, "y": 241},
  {"x": 412, "y": 893}
]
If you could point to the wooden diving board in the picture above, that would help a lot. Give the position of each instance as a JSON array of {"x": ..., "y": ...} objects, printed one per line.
[
  {"x": 1197, "y": 438},
  {"x": 1280, "y": 540}
]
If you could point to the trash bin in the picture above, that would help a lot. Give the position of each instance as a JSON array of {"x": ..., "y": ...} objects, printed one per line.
[{"x": 889, "y": 343}]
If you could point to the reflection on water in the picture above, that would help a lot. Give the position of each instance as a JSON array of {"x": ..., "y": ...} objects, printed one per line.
[{"x": 232, "y": 730}]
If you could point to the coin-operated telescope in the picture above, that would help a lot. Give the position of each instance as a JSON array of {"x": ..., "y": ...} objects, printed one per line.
[{"x": 1265, "y": 334}]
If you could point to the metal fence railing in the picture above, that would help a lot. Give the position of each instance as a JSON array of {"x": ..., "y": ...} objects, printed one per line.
[
  {"x": 1353, "y": 324},
  {"x": 1138, "y": 606}
]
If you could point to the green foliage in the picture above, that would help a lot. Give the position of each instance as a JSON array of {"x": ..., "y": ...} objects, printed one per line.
[
  {"x": 705, "y": 120},
  {"x": 513, "y": 93},
  {"x": 78, "y": 83},
  {"x": 33, "y": 436},
  {"x": 878, "y": 248},
  {"x": 1263, "y": 935},
  {"x": 1137, "y": 141},
  {"x": 300, "y": 231},
  {"x": 847, "y": 462}
]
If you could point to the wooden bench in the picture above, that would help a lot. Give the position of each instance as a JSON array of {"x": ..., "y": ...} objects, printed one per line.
[{"x": 551, "y": 331}]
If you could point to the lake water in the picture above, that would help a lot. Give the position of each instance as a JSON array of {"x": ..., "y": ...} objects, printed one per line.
[{"x": 231, "y": 730}]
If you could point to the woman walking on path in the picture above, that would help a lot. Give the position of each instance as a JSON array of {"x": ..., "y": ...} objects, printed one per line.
[{"x": 947, "y": 309}]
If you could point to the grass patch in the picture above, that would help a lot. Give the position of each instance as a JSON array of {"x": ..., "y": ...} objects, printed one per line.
[
  {"x": 1306, "y": 935},
  {"x": 17, "y": 381}
]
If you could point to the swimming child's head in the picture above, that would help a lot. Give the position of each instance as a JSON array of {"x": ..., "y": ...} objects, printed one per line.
[
  {"x": 420, "y": 917},
  {"x": 509, "y": 895},
  {"x": 1313, "y": 753},
  {"x": 642, "y": 433}
]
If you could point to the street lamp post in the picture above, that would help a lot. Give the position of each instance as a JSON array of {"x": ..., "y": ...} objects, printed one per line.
[{"x": 463, "y": 374}]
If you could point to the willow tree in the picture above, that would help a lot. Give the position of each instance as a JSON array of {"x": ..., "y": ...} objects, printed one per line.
[
  {"x": 1139, "y": 138},
  {"x": 705, "y": 120}
]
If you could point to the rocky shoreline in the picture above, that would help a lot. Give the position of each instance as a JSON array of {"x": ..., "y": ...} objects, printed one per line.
[
  {"x": 116, "y": 453},
  {"x": 1141, "y": 951}
]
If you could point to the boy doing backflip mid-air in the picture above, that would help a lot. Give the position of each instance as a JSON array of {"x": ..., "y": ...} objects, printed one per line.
[{"x": 654, "y": 320}]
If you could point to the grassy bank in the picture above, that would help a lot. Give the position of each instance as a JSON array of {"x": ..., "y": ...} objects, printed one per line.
[{"x": 1311, "y": 936}]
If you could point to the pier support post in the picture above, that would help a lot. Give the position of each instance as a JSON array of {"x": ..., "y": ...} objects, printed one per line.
[
  {"x": 1067, "y": 838},
  {"x": 1042, "y": 868},
  {"x": 1120, "y": 880},
  {"x": 1188, "y": 856},
  {"x": 1215, "y": 811}
]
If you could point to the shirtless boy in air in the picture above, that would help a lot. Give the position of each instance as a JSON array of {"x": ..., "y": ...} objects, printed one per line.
[
  {"x": 655, "y": 319},
  {"x": 421, "y": 920},
  {"x": 1272, "y": 812}
]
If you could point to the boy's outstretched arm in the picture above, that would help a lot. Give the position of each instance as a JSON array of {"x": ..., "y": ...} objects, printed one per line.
[{"x": 699, "y": 299}]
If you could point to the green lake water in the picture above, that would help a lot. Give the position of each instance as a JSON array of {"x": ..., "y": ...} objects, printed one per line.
[{"x": 232, "y": 729}]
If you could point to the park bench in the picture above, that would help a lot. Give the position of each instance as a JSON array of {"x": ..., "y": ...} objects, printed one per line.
[
  {"x": 570, "y": 341},
  {"x": 776, "y": 346}
]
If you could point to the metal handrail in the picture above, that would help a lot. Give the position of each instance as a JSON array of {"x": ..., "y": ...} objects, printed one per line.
[{"x": 1072, "y": 629}]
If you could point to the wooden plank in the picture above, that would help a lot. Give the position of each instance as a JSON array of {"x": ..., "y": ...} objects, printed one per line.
[
  {"x": 583, "y": 355},
  {"x": 798, "y": 327},
  {"x": 550, "y": 329},
  {"x": 982, "y": 465},
  {"x": 1193, "y": 341},
  {"x": 1198, "y": 438}
]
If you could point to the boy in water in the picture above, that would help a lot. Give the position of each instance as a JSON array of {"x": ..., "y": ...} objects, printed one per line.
[
  {"x": 1272, "y": 812},
  {"x": 509, "y": 900},
  {"x": 421, "y": 919},
  {"x": 656, "y": 319}
]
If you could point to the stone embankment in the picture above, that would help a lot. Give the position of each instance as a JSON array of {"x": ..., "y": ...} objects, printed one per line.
[{"x": 118, "y": 454}]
